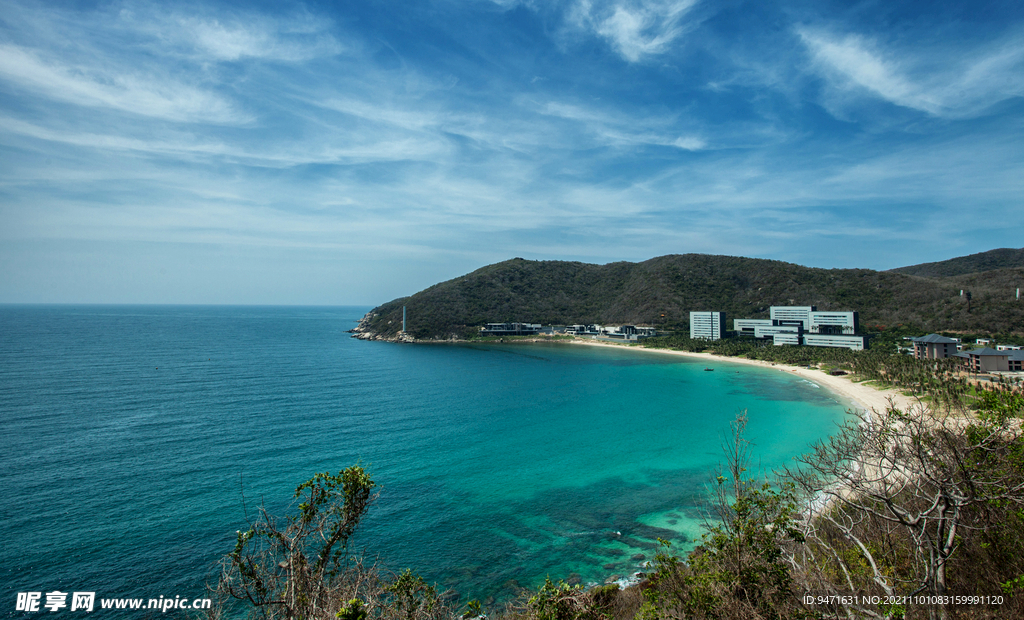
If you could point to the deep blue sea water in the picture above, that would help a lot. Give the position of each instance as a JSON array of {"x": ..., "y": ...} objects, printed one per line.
[{"x": 128, "y": 435}]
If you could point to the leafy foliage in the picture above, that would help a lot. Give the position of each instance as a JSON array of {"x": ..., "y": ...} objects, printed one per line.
[
  {"x": 560, "y": 601},
  {"x": 299, "y": 566},
  {"x": 290, "y": 568},
  {"x": 411, "y": 594},
  {"x": 740, "y": 569}
]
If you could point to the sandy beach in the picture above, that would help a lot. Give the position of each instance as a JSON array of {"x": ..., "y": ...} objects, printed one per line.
[{"x": 865, "y": 397}]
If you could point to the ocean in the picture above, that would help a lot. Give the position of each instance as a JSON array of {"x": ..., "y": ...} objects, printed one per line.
[{"x": 135, "y": 441}]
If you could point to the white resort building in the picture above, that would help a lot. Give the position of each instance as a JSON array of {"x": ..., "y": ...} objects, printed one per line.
[
  {"x": 510, "y": 329},
  {"x": 707, "y": 325},
  {"x": 792, "y": 315},
  {"x": 844, "y": 323},
  {"x": 804, "y": 325},
  {"x": 629, "y": 333}
]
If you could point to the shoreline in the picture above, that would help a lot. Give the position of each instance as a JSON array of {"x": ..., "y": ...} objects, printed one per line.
[
  {"x": 867, "y": 397},
  {"x": 871, "y": 401}
]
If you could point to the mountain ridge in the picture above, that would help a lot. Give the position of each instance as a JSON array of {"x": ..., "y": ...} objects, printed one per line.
[
  {"x": 661, "y": 291},
  {"x": 1000, "y": 258}
]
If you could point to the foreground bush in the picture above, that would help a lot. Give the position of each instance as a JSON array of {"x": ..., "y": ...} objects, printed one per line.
[{"x": 299, "y": 567}]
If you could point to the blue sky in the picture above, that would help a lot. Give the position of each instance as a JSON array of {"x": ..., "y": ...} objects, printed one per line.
[{"x": 354, "y": 152}]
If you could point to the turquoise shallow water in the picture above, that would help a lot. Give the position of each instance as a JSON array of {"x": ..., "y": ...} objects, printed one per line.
[{"x": 128, "y": 433}]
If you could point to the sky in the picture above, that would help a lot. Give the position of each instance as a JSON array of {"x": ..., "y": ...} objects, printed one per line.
[{"x": 354, "y": 152}]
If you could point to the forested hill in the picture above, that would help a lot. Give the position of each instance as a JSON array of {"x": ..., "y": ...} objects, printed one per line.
[
  {"x": 662, "y": 291},
  {"x": 1003, "y": 258}
]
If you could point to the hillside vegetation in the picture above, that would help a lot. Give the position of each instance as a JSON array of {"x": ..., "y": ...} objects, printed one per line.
[
  {"x": 662, "y": 291},
  {"x": 1003, "y": 258}
]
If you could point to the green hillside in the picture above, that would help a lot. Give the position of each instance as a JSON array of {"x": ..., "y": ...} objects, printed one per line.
[
  {"x": 662, "y": 291},
  {"x": 1003, "y": 258}
]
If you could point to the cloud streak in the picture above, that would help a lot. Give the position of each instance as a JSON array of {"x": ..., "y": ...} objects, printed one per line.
[
  {"x": 103, "y": 86},
  {"x": 295, "y": 41},
  {"x": 949, "y": 83},
  {"x": 636, "y": 29}
]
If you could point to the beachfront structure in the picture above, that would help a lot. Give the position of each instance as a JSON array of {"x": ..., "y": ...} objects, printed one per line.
[
  {"x": 584, "y": 330},
  {"x": 510, "y": 329},
  {"x": 814, "y": 322},
  {"x": 707, "y": 325},
  {"x": 786, "y": 337},
  {"x": 630, "y": 333},
  {"x": 748, "y": 327},
  {"x": 833, "y": 323},
  {"x": 934, "y": 347},
  {"x": 990, "y": 360},
  {"x": 770, "y": 331},
  {"x": 839, "y": 341},
  {"x": 792, "y": 315},
  {"x": 629, "y": 330},
  {"x": 804, "y": 325}
]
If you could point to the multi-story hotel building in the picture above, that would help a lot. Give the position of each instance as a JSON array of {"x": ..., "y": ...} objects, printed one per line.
[
  {"x": 792, "y": 315},
  {"x": 834, "y": 340},
  {"x": 804, "y": 325},
  {"x": 833, "y": 323},
  {"x": 511, "y": 329},
  {"x": 707, "y": 325},
  {"x": 934, "y": 346},
  {"x": 991, "y": 360},
  {"x": 748, "y": 327}
]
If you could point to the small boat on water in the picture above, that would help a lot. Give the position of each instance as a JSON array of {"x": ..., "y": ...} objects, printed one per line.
[{"x": 708, "y": 369}]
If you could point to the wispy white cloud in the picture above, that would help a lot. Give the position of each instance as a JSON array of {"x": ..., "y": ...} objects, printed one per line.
[
  {"x": 113, "y": 142},
  {"x": 412, "y": 118},
  {"x": 234, "y": 41},
  {"x": 948, "y": 82},
  {"x": 615, "y": 128},
  {"x": 636, "y": 29},
  {"x": 150, "y": 60},
  {"x": 335, "y": 148},
  {"x": 101, "y": 85},
  {"x": 229, "y": 37}
]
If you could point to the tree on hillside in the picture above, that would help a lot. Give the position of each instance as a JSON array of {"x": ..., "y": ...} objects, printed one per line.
[
  {"x": 300, "y": 567},
  {"x": 741, "y": 568},
  {"x": 286, "y": 569},
  {"x": 894, "y": 495}
]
